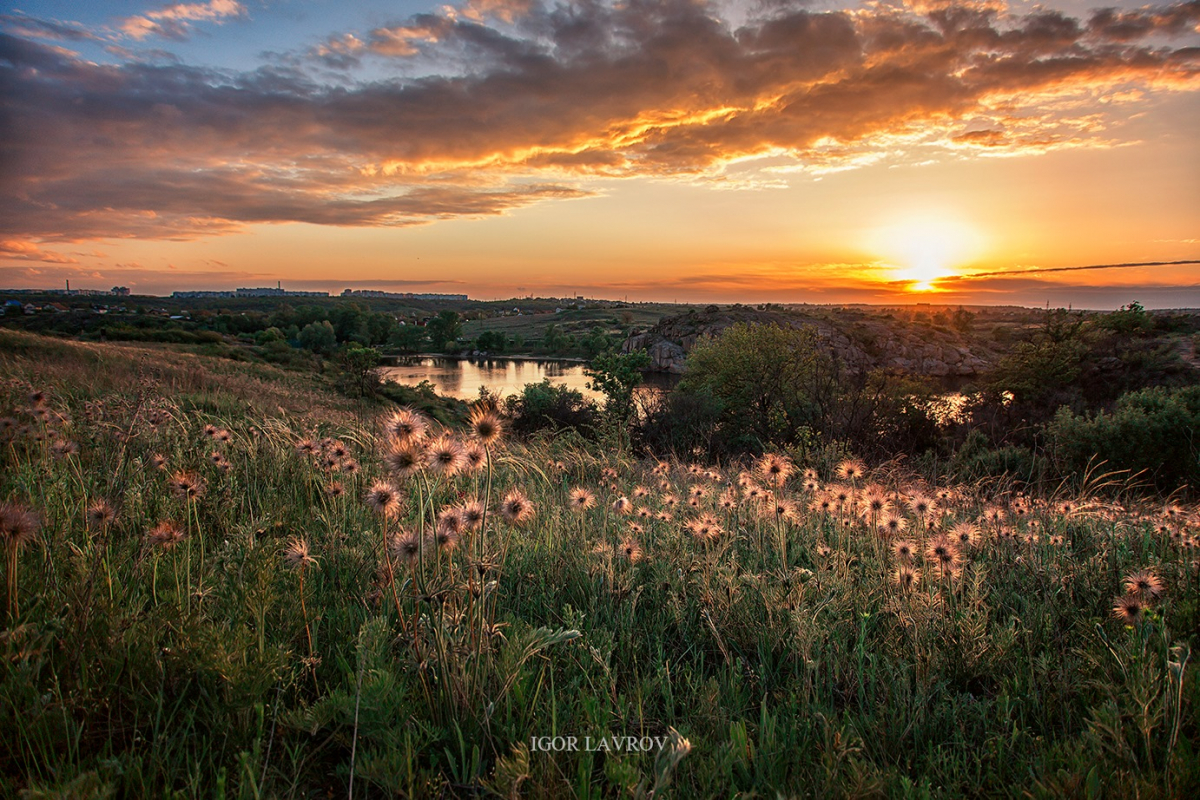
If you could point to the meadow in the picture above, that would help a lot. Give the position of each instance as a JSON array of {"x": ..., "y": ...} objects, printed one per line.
[{"x": 223, "y": 580}]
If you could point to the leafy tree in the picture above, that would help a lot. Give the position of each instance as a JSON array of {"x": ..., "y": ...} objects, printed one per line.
[
  {"x": 549, "y": 406},
  {"x": 356, "y": 366},
  {"x": 617, "y": 375},
  {"x": 318, "y": 337},
  {"x": 757, "y": 374},
  {"x": 444, "y": 329},
  {"x": 408, "y": 338},
  {"x": 490, "y": 341}
]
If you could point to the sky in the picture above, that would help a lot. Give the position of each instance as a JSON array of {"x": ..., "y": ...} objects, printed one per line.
[{"x": 888, "y": 151}]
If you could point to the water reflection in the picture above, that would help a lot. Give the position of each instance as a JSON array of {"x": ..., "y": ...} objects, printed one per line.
[{"x": 462, "y": 378}]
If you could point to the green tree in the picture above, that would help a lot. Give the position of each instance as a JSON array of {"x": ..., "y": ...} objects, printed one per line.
[
  {"x": 356, "y": 369},
  {"x": 408, "y": 338},
  {"x": 617, "y": 375},
  {"x": 318, "y": 337},
  {"x": 758, "y": 375},
  {"x": 444, "y": 329}
]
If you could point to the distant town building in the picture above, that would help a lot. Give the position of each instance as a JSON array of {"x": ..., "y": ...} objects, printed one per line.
[{"x": 401, "y": 295}]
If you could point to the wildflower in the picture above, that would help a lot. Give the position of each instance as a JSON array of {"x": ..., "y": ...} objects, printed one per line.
[
  {"x": 906, "y": 577},
  {"x": 100, "y": 514},
  {"x": 486, "y": 425},
  {"x": 447, "y": 533},
  {"x": 581, "y": 500},
  {"x": 165, "y": 535},
  {"x": 824, "y": 551},
  {"x": 904, "y": 550},
  {"x": 445, "y": 456},
  {"x": 851, "y": 469},
  {"x": 921, "y": 505},
  {"x": 37, "y": 398},
  {"x": 875, "y": 502},
  {"x": 784, "y": 509},
  {"x": 664, "y": 516},
  {"x": 893, "y": 525},
  {"x": 630, "y": 550},
  {"x": 335, "y": 490},
  {"x": 406, "y": 425},
  {"x": 63, "y": 448},
  {"x": 639, "y": 492},
  {"x": 158, "y": 461},
  {"x": 994, "y": 514},
  {"x": 223, "y": 435},
  {"x": 404, "y": 546},
  {"x": 965, "y": 534},
  {"x": 622, "y": 505},
  {"x": 728, "y": 499},
  {"x": 404, "y": 460},
  {"x": 754, "y": 492},
  {"x": 1145, "y": 584},
  {"x": 697, "y": 492},
  {"x": 306, "y": 447},
  {"x": 18, "y": 526},
  {"x": 670, "y": 500},
  {"x": 216, "y": 458},
  {"x": 350, "y": 467},
  {"x": 383, "y": 498},
  {"x": 471, "y": 513},
  {"x": 774, "y": 468},
  {"x": 186, "y": 485},
  {"x": 297, "y": 555},
  {"x": 337, "y": 449},
  {"x": 516, "y": 508},
  {"x": 1130, "y": 609},
  {"x": 210, "y": 431},
  {"x": 474, "y": 458}
]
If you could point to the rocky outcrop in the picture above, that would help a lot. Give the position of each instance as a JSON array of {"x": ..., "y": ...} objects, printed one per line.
[{"x": 858, "y": 338}]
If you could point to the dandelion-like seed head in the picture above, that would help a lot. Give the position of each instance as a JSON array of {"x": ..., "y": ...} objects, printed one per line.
[
  {"x": 851, "y": 469},
  {"x": 1145, "y": 584},
  {"x": 486, "y": 425},
  {"x": 447, "y": 535},
  {"x": 158, "y": 461},
  {"x": 335, "y": 489},
  {"x": 893, "y": 525},
  {"x": 904, "y": 550},
  {"x": 474, "y": 458},
  {"x": 906, "y": 577},
  {"x": 404, "y": 546},
  {"x": 187, "y": 485},
  {"x": 404, "y": 460},
  {"x": 383, "y": 498},
  {"x": 630, "y": 550},
  {"x": 445, "y": 456},
  {"x": 581, "y": 500},
  {"x": 775, "y": 468},
  {"x": 18, "y": 525},
  {"x": 210, "y": 431},
  {"x": 297, "y": 556},
  {"x": 165, "y": 535},
  {"x": 406, "y": 425},
  {"x": 622, "y": 505},
  {"x": 965, "y": 533},
  {"x": 515, "y": 508},
  {"x": 472, "y": 513},
  {"x": 921, "y": 505},
  {"x": 306, "y": 447},
  {"x": 1129, "y": 609},
  {"x": 100, "y": 514}
]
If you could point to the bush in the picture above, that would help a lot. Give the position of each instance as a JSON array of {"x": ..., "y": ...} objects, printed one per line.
[
  {"x": 548, "y": 406},
  {"x": 1152, "y": 431}
]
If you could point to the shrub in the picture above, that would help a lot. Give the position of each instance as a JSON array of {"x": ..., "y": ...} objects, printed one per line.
[
  {"x": 548, "y": 406},
  {"x": 1152, "y": 431}
]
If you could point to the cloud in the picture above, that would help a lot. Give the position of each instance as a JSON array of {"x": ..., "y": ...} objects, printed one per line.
[
  {"x": 174, "y": 21},
  {"x": 24, "y": 250},
  {"x": 505, "y": 103}
]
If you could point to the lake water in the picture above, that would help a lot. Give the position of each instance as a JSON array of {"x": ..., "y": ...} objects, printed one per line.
[{"x": 462, "y": 378}]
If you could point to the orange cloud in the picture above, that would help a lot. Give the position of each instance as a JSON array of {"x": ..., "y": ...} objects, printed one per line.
[{"x": 528, "y": 108}]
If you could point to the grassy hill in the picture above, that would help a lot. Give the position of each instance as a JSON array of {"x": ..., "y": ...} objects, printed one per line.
[{"x": 224, "y": 580}]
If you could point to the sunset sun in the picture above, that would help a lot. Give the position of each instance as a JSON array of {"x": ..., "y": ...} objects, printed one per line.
[{"x": 920, "y": 249}]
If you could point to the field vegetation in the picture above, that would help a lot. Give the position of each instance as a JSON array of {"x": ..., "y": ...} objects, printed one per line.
[{"x": 226, "y": 580}]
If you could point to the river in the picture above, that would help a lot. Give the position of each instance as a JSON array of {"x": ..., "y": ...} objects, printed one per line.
[{"x": 462, "y": 378}]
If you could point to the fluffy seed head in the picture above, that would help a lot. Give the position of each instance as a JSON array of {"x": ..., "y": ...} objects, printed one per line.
[
  {"x": 383, "y": 498},
  {"x": 486, "y": 425},
  {"x": 406, "y": 425},
  {"x": 516, "y": 508}
]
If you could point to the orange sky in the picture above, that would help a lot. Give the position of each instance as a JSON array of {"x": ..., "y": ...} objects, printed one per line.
[{"x": 670, "y": 150}]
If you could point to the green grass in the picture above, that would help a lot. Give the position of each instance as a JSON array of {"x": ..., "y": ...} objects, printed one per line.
[{"x": 778, "y": 658}]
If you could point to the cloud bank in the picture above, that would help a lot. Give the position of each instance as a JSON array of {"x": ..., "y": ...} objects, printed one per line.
[{"x": 503, "y": 103}]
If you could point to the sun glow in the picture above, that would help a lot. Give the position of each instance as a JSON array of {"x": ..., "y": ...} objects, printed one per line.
[{"x": 920, "y": 249}]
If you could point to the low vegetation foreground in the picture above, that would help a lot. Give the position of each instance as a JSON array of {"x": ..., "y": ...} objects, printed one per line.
[{"x": 222, "y": 581}]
